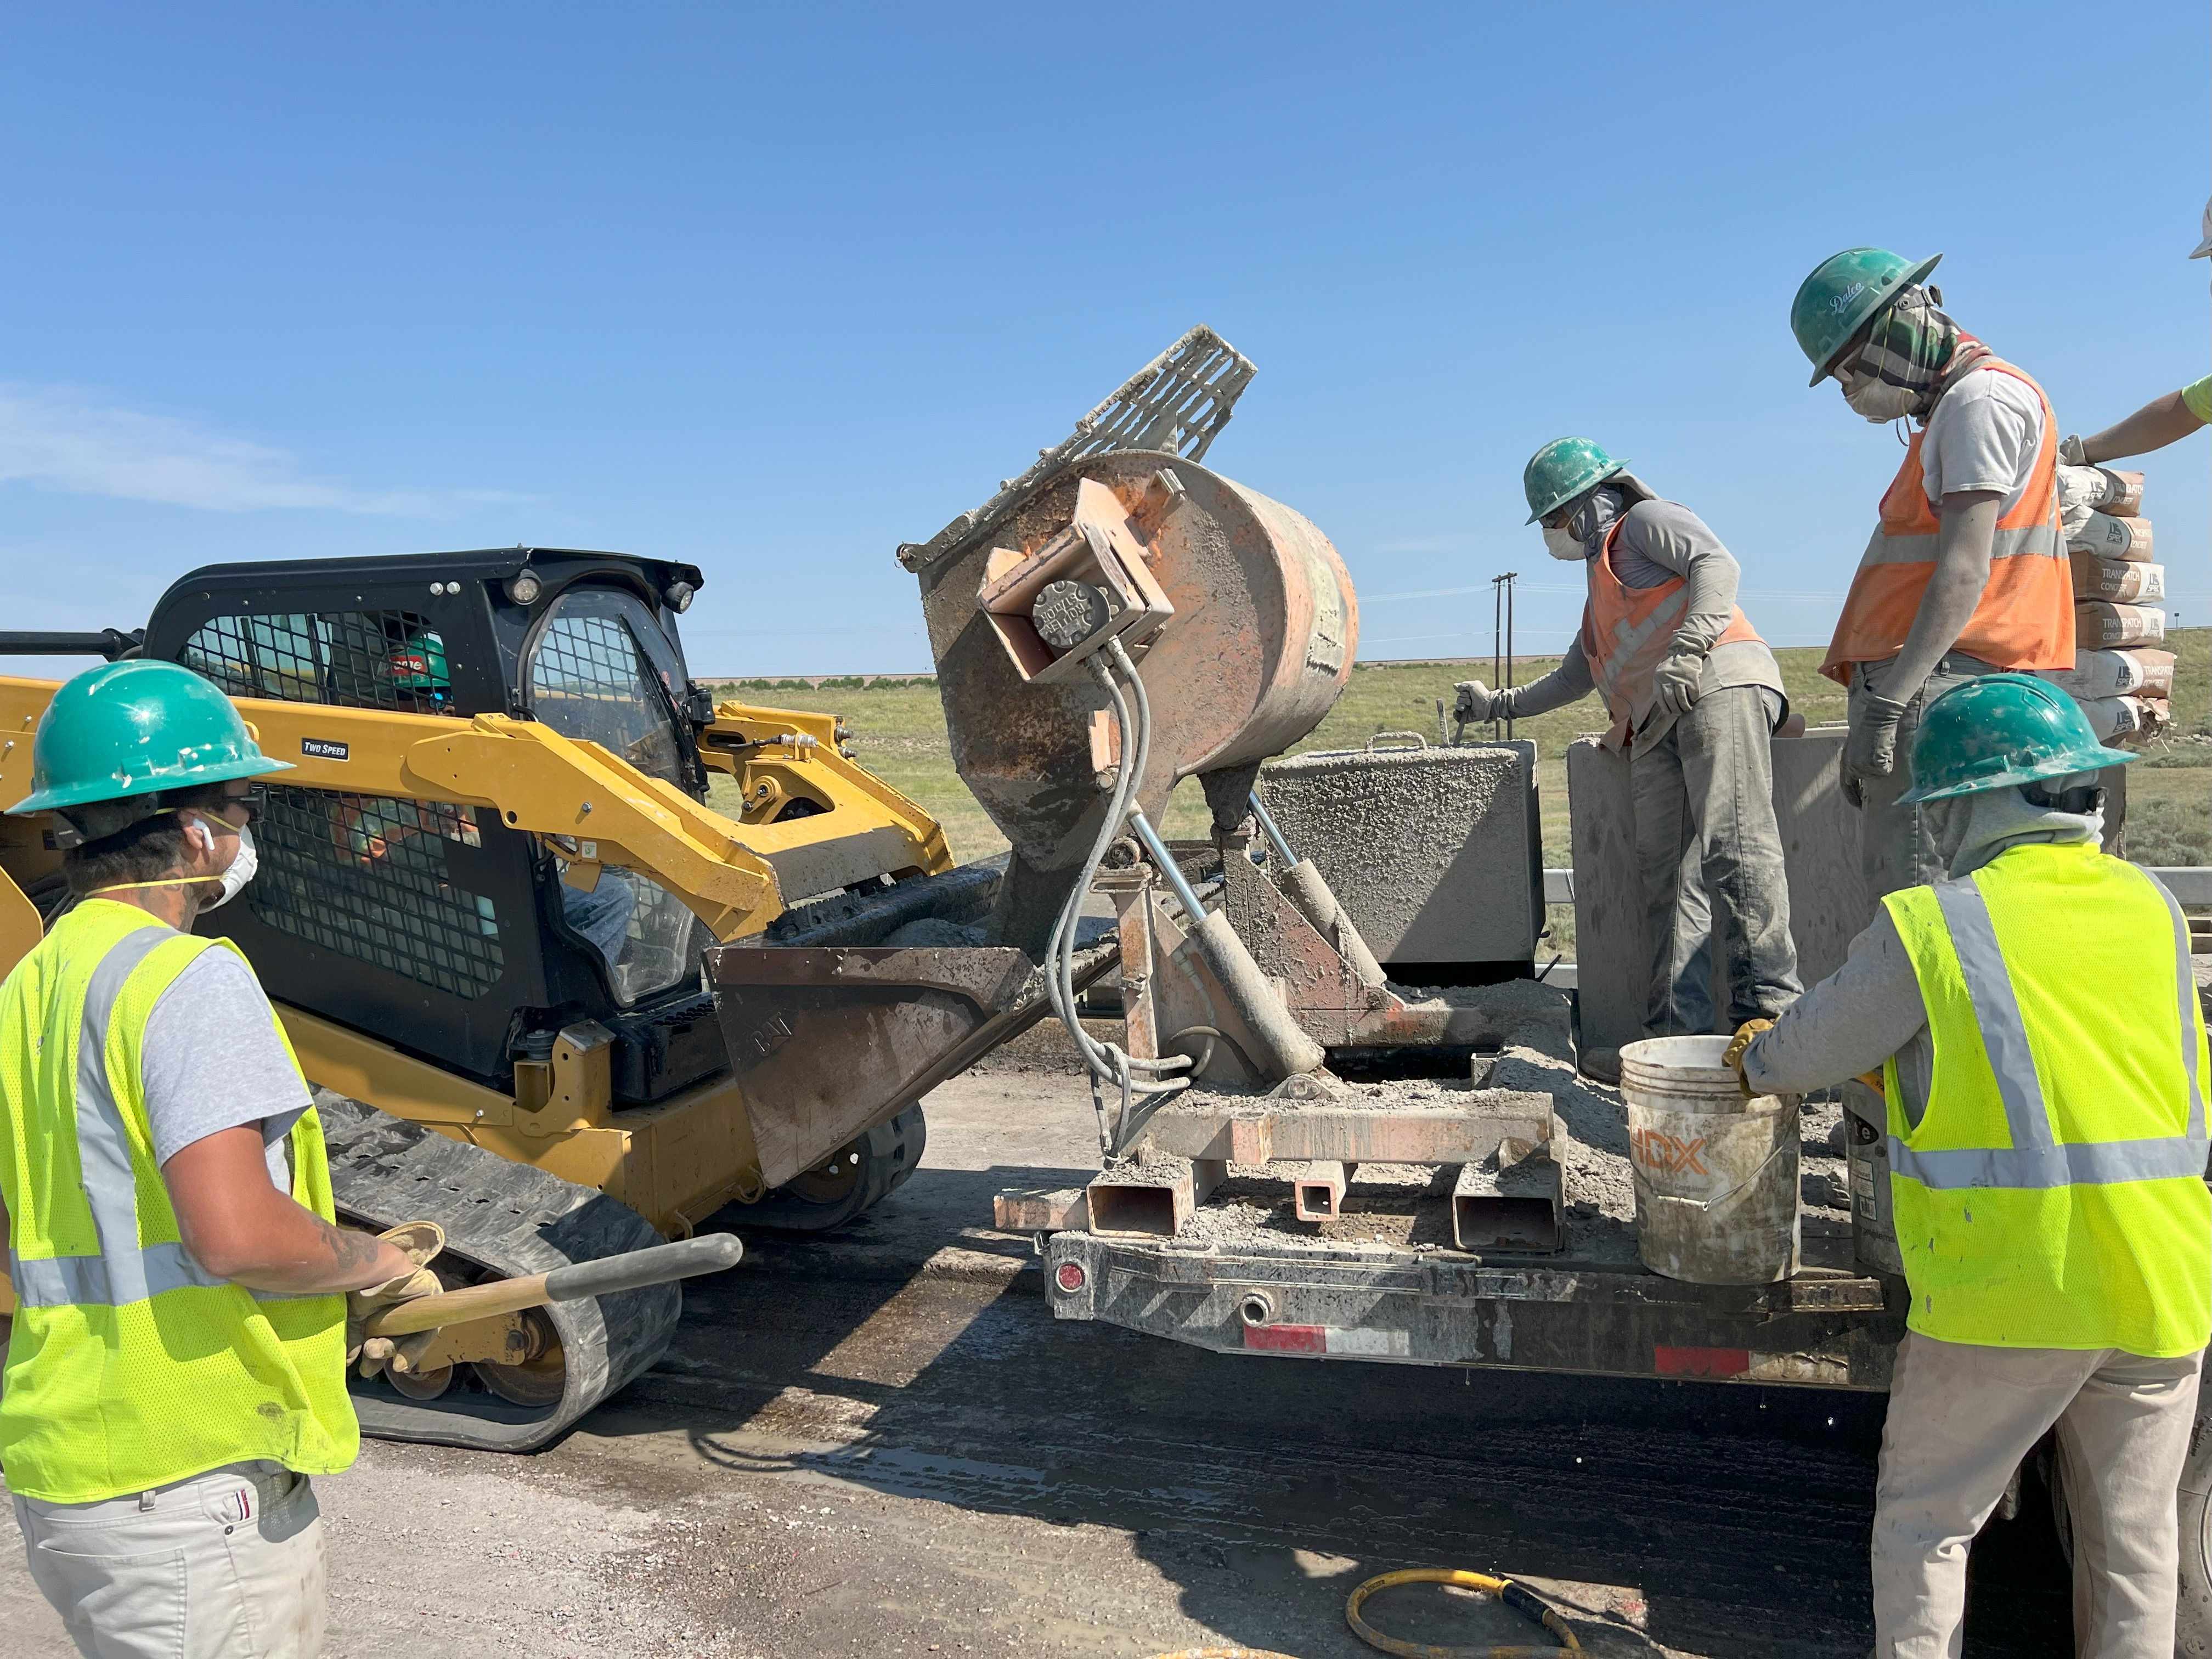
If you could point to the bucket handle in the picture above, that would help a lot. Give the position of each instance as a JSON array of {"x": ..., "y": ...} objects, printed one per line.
[
  {"x": 1785, "y": 1132},
  {"x": 1419, "y": 742}
]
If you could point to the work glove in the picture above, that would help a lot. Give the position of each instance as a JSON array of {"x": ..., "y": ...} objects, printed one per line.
[
  {"x": 420, "y": 1241},
  {"x": 2071, "y": 452},
  {"x": 1675, "y": 682},
  {"x": 1739, "y": 1045},
  {"x": 1477, "y": 703},
  {"x": 1870, "y": 750}
]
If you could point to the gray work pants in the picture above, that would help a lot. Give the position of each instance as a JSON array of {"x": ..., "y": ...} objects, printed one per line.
[
  {"x": 1961, "y": 1417},
  {"x": 1710, "y": 855},
  {"x": 227, "y": 1565},
  {"x": 1896, "y": 849}
]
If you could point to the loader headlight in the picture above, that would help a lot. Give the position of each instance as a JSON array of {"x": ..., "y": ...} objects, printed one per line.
[
  {"x": 524, "y": 586},
  {"x": 678, "y": 596}
]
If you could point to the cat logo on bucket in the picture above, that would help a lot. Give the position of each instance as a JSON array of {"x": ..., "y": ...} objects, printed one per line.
[{"x": 1663, "y": 1154}]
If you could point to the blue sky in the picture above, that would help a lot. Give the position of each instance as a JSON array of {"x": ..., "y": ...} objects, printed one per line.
[{"x": 773, "y": 289}]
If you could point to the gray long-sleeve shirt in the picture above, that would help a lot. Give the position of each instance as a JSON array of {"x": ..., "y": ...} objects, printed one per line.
[
  {"x": 1850, "y": 1023},
  {"x": 1658, "y": 542}
]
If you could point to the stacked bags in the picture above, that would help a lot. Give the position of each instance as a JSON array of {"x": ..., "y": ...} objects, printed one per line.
[{"x": 2123, "y": 688}]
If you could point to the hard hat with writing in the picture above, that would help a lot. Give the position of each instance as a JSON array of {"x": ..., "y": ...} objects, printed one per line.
[
  {"x": 1561, "y": 470},
  {"x": 1844, "y": 290},
  {"x": 1997, "y": 730},
  {"x": 129, "y": 731},
  {"x": 420, "y": 665}
]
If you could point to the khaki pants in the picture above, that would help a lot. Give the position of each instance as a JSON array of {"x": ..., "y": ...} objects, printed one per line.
[
  {"x": 1896, "y": 847},
  {"x": 226, "y": 1565},
  {"x": 1961, "y": 1418}
]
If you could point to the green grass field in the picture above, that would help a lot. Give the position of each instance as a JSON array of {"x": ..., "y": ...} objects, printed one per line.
[{"x": 898, "y": 728}]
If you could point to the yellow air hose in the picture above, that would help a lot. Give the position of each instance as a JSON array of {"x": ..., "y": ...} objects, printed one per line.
[{"x": 1515, "y": 1596}]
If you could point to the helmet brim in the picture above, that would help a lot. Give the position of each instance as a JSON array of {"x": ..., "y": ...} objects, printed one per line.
[
  {"x": 84, "y": 794},
  {"x": 1860, "y": 321},
  {"x": 1616, "y": 468},
  {"x": 2091, "y": 761}
]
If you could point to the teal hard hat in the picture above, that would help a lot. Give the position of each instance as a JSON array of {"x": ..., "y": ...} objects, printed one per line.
[
  {"x": 1843, "y": 290},
  {"x": 1997, "y": 730},
  {"x": 137, "y": 728},
  {"x": 1561, "y": 470},
  {"x": 420, "y": 665}
]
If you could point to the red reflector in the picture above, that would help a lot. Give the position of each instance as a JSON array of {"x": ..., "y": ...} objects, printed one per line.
[
  {"x": 1700, "y": 1362},
  {"x": 1068, "y": 1276},
  {"x": 1288, "y": 1339}
]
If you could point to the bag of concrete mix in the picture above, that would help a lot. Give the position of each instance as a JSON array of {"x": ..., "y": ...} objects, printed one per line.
[
  {"x": 2114, "y": 674},
  {"x": 2114, "y": 718},
  {"x": 2108, "y": 538},
  {"x": 2085, "y": 489},
  {"x": 2123, "y": 580},
  {"x": 2100, "y": 625}
]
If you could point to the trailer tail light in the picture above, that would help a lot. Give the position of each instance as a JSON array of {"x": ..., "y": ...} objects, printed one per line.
[{"x": 1069, "y": 1276}]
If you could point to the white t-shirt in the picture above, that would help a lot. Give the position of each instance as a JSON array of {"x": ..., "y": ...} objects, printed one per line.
[
  {"x": 212, "y": 1061},
  {"x": 1986, "y": 435}
]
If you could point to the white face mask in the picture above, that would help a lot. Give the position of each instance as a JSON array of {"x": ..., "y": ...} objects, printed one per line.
[
  {"x": 1879, "y": 401},
  {"x": 1562, "y": 544},
  {"x": 241, "y": 869}
]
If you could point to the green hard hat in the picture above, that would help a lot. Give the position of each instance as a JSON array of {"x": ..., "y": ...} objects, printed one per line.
[
  {"x": 137, "y": 728},
  {"x": 420, "y": 665},
  {"x": 1843, "y": 290},
  {"x": 1996, "y": 731},
  {"x": 1561, "y": 470}
]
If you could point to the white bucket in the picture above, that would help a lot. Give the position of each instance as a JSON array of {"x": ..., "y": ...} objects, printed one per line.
[{"x": 1715, "y": 1175}]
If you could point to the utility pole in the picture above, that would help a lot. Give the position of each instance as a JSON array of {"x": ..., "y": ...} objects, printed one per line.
[{"x": 1501, "y": 638}]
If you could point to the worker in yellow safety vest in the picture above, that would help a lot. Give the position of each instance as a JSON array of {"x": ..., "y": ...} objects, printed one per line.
[
  {"x": 176, "y": 1366},
  {"x": 1695, "y": 697},
  {"x": 2042, "y": 1050},
  {"x": 1966, "y": 571}
]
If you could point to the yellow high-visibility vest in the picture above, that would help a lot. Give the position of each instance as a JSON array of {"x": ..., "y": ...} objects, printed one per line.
[
  {"x": 2052, "y": 1194},
  {"x": 130, "y": 1365}
]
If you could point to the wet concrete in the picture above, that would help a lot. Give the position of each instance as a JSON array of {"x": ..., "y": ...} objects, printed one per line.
[{"x": 882, "y": 1442}]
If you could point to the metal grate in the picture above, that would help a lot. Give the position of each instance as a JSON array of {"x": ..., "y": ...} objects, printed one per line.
[
  {"x": 358, "y": 658},
  {"x": 365, "y": 877},
  {"x": 589, "y": 679},
  {"x": 1177, "y": 404}
]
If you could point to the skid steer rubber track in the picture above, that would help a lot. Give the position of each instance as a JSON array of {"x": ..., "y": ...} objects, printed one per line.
[{"x": 509, "y": 1221}]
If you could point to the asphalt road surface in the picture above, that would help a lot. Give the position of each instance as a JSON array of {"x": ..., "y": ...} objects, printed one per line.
[{"x": 882, "y": 1442}]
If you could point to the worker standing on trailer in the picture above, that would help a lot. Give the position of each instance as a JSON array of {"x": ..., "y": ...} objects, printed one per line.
[
  {"x": 2160, "y": 422},
  {"x": 177, "y": 1364},
  {"x": 1695, "y": 697},
  {"x": 1966, "y": 572},
  {"x": 2043, "y": 1053}
]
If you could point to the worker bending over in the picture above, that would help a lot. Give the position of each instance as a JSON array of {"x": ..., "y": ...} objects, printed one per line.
[
  {"x": 176, "y": 1368},
  {"x": 2158, "y": 423},
  {"x": 2043, "y": 1053},
  {"x": 1965, "y": 572},
  {"x": 1695, "y": 697}
]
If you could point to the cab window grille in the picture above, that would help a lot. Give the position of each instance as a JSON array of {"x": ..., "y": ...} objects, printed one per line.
[
  {"x": 356, "y": 659},
  {"x": 365, "y": 877},
  {"x": 589, "y": 679}
]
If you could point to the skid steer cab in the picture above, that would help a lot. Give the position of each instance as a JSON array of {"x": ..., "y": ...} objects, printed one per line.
[{"x": 514, "y": 825}]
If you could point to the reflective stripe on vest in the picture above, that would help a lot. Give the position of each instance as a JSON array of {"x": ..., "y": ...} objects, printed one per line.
[
  {"x": 1627, "y": 632},
  {"x": 129, "y": 1365},
  {"x": 124, "y": 1271},
  {"x": 2033, "y": 1159},
  {"x": 2052, "y": 1192},
  {"x": 2025, "y": 619}
]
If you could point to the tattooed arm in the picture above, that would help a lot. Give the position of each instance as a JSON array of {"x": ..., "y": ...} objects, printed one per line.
[{"x": 240, "y": 1227}]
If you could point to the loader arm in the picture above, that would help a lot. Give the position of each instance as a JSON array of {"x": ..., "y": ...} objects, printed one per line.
[{"x": 592, "y": 808}]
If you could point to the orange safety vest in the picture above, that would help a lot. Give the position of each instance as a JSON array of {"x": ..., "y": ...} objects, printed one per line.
[
  {"x": 2026, "y": 617},
  {"x": 1627, "y": 632}
]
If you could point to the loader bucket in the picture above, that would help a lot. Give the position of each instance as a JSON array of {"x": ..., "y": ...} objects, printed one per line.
[{"x": 827, "y": 1042}]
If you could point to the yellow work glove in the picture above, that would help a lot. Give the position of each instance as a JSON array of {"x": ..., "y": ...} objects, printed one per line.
[
  {"x": 1738, "y": 1045},
  {"x": 420, "y": 1241}
]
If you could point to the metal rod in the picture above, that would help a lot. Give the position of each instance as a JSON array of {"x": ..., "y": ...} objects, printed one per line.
[
  {"x": 109, "y": 642},
  {"x": 1168, "y": 867},
  {"x": 1274, "y": 831}
]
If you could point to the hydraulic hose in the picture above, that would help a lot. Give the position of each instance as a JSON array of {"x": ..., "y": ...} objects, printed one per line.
[{"x": 1519, "y": 1597}]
